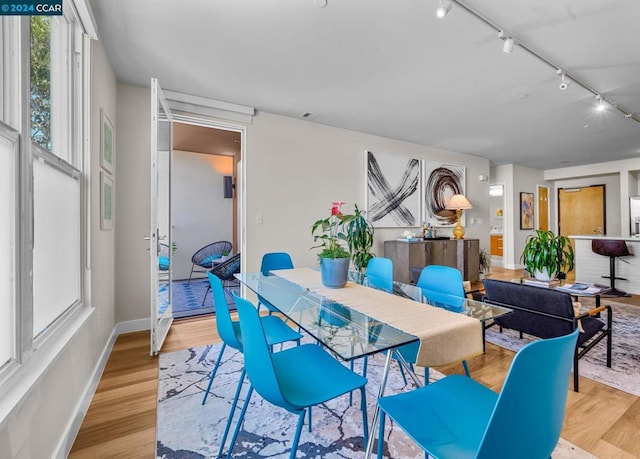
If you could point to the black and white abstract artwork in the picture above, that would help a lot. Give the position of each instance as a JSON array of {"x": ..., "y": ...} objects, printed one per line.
[
  {"x": 441, "y": 182},
  {"x": 392, "y": 195}
]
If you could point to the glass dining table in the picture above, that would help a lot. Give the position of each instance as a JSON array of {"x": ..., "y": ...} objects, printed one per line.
[{"x": 349, "y": 334}]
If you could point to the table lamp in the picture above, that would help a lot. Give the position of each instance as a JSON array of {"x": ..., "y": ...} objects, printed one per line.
[{"x": 458, "y": 202}]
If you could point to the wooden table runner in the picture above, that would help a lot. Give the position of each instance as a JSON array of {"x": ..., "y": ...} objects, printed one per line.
[{"x": 445, "y": 336}]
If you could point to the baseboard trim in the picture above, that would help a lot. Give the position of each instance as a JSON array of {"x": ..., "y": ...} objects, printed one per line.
[
  {"x": 71, "y": 432},
  {"x": 132, "y": 326}
]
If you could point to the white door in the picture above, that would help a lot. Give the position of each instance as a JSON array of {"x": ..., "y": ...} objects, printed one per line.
[{"x": 160, "y": 221}]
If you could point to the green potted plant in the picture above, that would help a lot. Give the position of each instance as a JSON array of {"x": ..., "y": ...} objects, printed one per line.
[
  {"x": 485, "y": 262},
  {"x": 359, "y": 238},
  {"x": 545, "y": 255},
  {"x": 334, "y": 257}
]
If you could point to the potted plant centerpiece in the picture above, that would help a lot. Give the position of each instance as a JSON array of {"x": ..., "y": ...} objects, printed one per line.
[
  {"x": 334, "y": 257},
  {"x": 359, "y": 238},
  {"x": 545, "y": 255},
  {"x": 342, "y": 237}
]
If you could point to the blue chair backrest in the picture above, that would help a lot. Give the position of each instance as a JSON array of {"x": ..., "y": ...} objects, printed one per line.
[
  {"x": 223, "y": 317},
  {"x": 380, "y": 273},
  {"x": 527, "y": 419},
  {"x": 442, "y": 286},
  {"x": 442, "y": 279},
  {"x": 257, "y": 357},
  {"x": 275, "y": 260}
]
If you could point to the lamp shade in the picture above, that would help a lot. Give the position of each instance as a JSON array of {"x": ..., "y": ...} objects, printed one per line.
[{"x": 458, "y": 201}]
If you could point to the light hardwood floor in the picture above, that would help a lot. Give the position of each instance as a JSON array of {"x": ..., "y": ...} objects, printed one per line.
[{"x": 121, "y": 420}]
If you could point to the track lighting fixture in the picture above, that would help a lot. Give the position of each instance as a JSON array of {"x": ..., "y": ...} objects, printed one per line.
[
  {"x": 443, "y": 9},
  {"x": 565, "y": 83},
  {"x": 508, "y": 45},
  {"x": 567, "y": 79}
]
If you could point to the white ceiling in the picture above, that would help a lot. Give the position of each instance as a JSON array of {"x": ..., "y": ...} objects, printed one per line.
[{"x": 391, "y": 68}]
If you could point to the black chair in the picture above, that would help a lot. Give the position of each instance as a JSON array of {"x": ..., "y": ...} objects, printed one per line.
[
  {"x": 206, "y": 256},
  {"x": 225, "y": 272},
  {"x": 549, "y": 313},
  {"x": 613, "y": 249}
]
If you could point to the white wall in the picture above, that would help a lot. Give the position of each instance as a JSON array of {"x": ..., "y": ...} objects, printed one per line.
[
  {"x": 133, "y": 146},
  {"x": 628, "y": 173},
  {"x": 295, "y": 169},
  {"x": 525, "y": 179},
  {"x": 200, "y": 213},
  {"x": 53, "y": 406}
]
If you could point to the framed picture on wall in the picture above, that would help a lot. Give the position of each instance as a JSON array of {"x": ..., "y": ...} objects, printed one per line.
[
  {"x": 441, "y": 182},
  {"x": 526, "y": 211},
  {"x": 107, "y": 142},
  {"x": 392, "y": 197},
  {"x": 106, "y": 201}
]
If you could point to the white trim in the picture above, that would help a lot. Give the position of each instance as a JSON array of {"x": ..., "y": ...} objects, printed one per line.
[
  {"x": 20, "y": 384},
  {"x": 131, "y": 326},
  {"x": 73, "y": 426},
  {"x": 190, "y": 104},
  {"x": 86, "y": 18}
]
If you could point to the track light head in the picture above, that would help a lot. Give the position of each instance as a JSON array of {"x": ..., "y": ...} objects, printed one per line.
[
  {"x": 602, "y": 104},
  {"x": 443, "y": 9},
  {"x": 565, "y": 83},
  {"x": 508, "y": 45}
]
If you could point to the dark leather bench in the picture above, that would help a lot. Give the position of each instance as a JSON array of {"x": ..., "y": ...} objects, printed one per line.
[{"x": 548, "y": 313}]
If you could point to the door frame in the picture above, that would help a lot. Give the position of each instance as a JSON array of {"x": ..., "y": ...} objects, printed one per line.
[
  {"x": 198, "y": 120},
  {"x": 538, "y": 213}
]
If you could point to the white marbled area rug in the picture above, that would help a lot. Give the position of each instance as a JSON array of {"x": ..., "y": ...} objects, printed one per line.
[
  {"x": 186, "y": 429},
  {"x": 624, "y": 373}
]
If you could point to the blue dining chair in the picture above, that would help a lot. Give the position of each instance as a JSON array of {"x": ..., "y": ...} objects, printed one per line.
[
  {"x": 276, "y": 332},
  {"x": 458, "y": 417},
  {"x": 272, "y": 261},
  {"x": 379, "y": 274},
  {"x": 443, "y": 287},
  {"x": 294, "y": 379}
]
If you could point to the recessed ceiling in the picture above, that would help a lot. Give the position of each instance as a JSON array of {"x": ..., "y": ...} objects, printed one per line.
[
  {"x": 200, "y": 139},
  {"x": 391, "y": 68}
]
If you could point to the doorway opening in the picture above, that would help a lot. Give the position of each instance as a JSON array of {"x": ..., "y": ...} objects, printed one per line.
[
  {"x": 497, "y": 211},
  {"x": 204, "y": 209}
]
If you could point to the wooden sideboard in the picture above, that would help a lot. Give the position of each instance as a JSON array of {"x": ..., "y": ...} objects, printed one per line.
[{"x": 463, "y": 254}]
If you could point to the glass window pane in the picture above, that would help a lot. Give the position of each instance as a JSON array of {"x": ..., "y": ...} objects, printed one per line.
[
  {"x": 8, "y": 200},
  {"x": 41, "y": 80},
  {"x": 57, "y": 242}
]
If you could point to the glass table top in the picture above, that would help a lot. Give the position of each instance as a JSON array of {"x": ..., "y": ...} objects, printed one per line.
[
  {"x": 345, "y": 331},
  {"x": 348, "y": 333},
  {"x": 473, "y": 308}
]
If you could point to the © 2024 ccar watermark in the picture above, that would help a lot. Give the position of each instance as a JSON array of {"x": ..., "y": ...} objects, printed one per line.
[{"x": 30, "y": 7}]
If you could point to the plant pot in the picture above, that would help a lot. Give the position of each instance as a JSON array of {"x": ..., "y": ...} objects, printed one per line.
[
  {"x": 544, "y": 275},
  {"x": 334, "y": 272}
]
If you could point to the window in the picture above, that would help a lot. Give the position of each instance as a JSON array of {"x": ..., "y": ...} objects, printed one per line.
[
  {"x": 8, "y": 171},
  {"x": 41, "y": 176}
]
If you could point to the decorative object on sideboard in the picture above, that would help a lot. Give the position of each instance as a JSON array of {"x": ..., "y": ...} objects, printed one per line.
[{"x": 458, "y": 202}]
